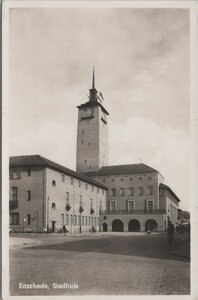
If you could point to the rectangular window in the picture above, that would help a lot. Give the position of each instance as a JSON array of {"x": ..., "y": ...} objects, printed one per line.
[
  {"x": 150, "y": 205},
  {"x": 67, "y": 219},
  {"x": 63, "y": 177},
  {"x": 131, "y": 191},
  {"x": 131, "y": 206},
  {"x": 14, "y": 218},
  {"x": 91, "y": 203},
  {"x": 112, "y": 206},
  {"x": 62, "y": 219},
  {"x": 92, "y": 221},
  {"x": 85, "y": 220},
  {"x": 121, "y": 191},
  {"x": 28, "y": 172},
  {"x": 82, "y": 220},
  {"x": 86, "y": 186},
  {"x": 140, "y": 191},
  {"x": 79, "y": 183},
  {"x": 14, "y": 193},
  {"x": 89, "y": 221},
  {"x": 15, "y": 174},
  {"x": 28, "y": 195},
  {"x": 67, "y": 197},
  {"x": 71, "y": 219},
  {"x": 78, "y": 220},
  {"x": 71, "y": 180},
  {"x": 92, "y": 188},
  {"x": 28, "y": 219},
  {"x": 98, "y": 190},
  {"x": 150, "y": 190},
  {"x": 75, "y": 220},
  {"x": 103, "y": 192},
  {"x": 113, "y": 192}
]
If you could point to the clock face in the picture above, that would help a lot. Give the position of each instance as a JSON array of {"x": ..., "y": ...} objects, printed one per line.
[{"x": 88, "y": 112}]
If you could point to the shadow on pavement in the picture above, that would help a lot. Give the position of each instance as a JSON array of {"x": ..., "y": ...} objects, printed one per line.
[{"x": 151, "y": 246}]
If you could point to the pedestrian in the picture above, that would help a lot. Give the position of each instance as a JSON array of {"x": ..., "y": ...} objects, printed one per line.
[
  {"x": 64, "y": 230},
  {"x": 170, "y": 232}
]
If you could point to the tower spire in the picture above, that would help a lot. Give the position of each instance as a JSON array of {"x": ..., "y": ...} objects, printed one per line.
[
  {"x": 93, "y": 92},
  {"x": 93, "y": 81}
]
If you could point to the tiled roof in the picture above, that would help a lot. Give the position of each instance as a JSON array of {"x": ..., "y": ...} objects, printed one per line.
[
  {"x": 166, "y": 187},
  {"x": 122, "y": 170},
  {"x": 94, "y": 103},
  {"x": 38, "y": 160}
]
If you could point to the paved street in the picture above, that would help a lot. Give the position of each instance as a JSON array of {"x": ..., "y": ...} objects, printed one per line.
[{"x": 98, "y": 264}]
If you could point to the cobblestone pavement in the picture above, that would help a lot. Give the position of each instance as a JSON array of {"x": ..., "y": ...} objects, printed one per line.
[{"x": 98, "y": 264}]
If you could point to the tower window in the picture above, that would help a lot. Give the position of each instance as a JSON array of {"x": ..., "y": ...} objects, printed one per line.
[
  {"x": 85, "y": 161},
  {"x": 53, "y": 183},
  {"x": 28, "y": 195}
]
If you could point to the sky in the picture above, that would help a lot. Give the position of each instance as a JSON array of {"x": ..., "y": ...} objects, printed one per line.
[{"x": 141, "y": 59}]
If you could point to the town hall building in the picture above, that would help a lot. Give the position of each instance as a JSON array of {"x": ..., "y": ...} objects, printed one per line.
[{"x": 45, "y": 195}]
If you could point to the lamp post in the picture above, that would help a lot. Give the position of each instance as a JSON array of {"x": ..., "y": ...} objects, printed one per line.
[
  {"x": 100, "y": 210},
  {"x": 80, "y": 211},
  {"x": 24, "y": 220}
]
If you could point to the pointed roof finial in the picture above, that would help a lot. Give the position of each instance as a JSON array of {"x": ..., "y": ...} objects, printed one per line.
[{"x": 93, "y": 82}]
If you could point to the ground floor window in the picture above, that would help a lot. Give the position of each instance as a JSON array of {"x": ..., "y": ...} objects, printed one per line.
[
  {"x": 14, "y": 218},
  {"x": 67, "y": 219},
  {"x": 86, "y": 221},
  {"x": 28, "y": 219}
]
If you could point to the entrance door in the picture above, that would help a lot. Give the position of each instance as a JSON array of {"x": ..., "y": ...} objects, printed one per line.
[
  {"x": 53, "y": 226},
  {"x": 134, "y": 225},
  {"x": 104, "y": 227},
  {"x": 117, "y": 225}
]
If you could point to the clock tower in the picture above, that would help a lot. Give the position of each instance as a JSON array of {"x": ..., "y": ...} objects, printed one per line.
[{"x": 92, "y": 133}]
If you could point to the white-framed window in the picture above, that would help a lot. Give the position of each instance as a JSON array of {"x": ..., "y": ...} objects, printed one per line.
[
  {"x": 112, "y": 205},
  {"x": 140, "y": 191},
  {"x": 113, "y": 192},
  {"x": 121, "y": 191},
  {"x": 131, "y": 191},
  {"x": 14, "y": 190},
  {"x": 67, "y": 197},
  {"x": 131, "y": 206},
  {"x": 150, "y": 190},
  {"x": 150, "y": 205},
  {"x": 28, "y": 172}
]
